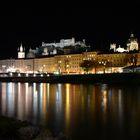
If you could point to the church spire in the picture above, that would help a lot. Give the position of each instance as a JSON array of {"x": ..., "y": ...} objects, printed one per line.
[
  {"x": 21, "y": 52},
  {"x": 21, "y": 48}
]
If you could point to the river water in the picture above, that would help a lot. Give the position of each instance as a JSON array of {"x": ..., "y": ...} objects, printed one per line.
[{"x": 92, "y": 111}]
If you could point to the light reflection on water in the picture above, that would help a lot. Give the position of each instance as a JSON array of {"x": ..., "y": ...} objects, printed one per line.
[{"x": 78, "y": 110}]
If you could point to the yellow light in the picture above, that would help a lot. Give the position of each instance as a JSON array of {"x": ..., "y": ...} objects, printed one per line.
[{"x": 67, "y": 104}]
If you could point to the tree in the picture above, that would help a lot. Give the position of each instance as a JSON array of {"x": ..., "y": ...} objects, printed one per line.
[
  {"x": 105, "y": 63},
  {"x": 87, "y": 65},
  {"x": 133, "y": 60}
]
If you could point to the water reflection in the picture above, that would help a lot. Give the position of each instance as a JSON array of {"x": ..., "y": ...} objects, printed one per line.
[
  {"x": 79, "y": 110},
  {"x": 3, "y": 98},
  {"x": 104, "y": 98},
  {"x": 67, "y": 108}
]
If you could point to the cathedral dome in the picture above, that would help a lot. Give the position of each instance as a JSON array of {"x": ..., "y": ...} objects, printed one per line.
[
  {"x": 131, "y": 39},
  {"x": 132, "y": 43}
]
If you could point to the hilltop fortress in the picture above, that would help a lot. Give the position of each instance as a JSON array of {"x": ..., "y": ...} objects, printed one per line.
[{"x": 67, "y": 55}]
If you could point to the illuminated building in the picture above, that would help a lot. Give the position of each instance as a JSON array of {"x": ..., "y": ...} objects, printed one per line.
[
  {"x": 21, "y": 52},
  {"x": 65, "y": 46},
  {"x": 69, "y": 63},
  {"x": 132, "y": 45}
]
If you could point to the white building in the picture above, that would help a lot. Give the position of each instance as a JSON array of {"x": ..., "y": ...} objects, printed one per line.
[
  {"x": 21, "y": 52},
  {"x": 113, "y": 47},
  {"x": 61, "y": 44},
  {"x": 121, "y": 50}
]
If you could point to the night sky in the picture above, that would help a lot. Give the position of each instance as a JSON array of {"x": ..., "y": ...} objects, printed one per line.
[{"x": 100, "y": 26}]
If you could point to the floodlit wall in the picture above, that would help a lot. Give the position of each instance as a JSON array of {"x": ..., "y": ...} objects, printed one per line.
[{"x": 71, "y": 63}]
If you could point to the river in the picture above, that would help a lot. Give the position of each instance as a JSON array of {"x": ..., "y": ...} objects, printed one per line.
[{"x": 82, "y": 111}]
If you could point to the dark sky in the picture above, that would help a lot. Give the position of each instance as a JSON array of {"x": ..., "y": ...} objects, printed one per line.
[{"x": 98, "y": 25}]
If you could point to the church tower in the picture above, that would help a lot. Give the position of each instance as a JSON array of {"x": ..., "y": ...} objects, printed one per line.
[
  {"x": 132, "y": 43},
  {"x": 21, "y": 52}
]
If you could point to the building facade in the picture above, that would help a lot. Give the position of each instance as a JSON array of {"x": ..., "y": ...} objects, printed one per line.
[{"x": 70, "y": 63}]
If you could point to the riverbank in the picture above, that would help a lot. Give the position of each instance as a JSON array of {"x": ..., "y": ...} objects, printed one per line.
[
  {"x": 113, "y": 78},
  {"x": 11, "y": 129}
]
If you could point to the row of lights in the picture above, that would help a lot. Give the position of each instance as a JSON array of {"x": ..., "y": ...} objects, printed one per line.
[{"x": 27, "y": 75}]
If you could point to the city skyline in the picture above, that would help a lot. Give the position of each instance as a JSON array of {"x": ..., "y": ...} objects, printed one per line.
[{"x": 98, "y": 26}]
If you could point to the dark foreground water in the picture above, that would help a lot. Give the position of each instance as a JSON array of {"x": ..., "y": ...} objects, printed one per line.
[{"x": 80, "y": 111}]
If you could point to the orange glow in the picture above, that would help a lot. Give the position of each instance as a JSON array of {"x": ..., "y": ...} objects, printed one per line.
[
  {"x": 67, "y": 104},
  {"x": 44, "y": 100}
]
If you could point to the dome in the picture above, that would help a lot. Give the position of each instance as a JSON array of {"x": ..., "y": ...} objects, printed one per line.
[
  {"x": 131, "y": 39},
  {"x": 30, "y": 54}
]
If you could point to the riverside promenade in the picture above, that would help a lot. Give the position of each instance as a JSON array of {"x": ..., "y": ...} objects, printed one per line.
[{"x": 113, "y": 78}]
